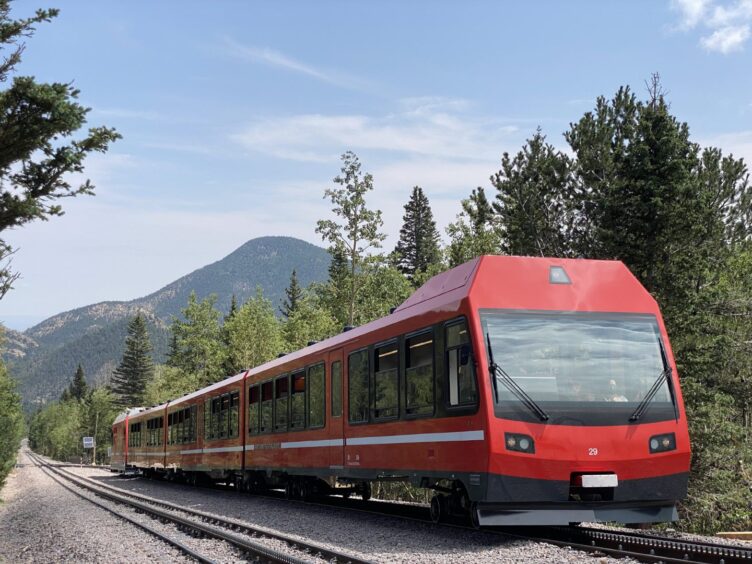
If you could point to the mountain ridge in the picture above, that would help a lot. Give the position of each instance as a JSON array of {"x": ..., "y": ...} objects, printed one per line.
[{"x": 40, "y": 357}]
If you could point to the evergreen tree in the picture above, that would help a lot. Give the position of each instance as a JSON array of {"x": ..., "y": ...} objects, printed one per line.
[
  {"x": 293, "y": 295},
  {"x": 36, "y": 120},
  {"x": 136, "y": 368},
  {"x": 476, "y": 231},
  {"x": 229, "y": 366},
  {"x": 534, "y": 201},
  {"x": 78, "y": 388},
  {"x": 417, "y": 250},
  {"x": 359, "y": 228},
  {"x": 199, "y": 346}
]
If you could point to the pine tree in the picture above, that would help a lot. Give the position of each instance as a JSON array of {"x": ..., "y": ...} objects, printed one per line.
[
  {"x": 293, "y": 295},
  {"x": 418, "y": 247},
  {"x": 78, "y": 388},
  {"x": 229, "y": 366},
  {"x": 534, "y": 201},
  {"x": 136, "y": 368}
]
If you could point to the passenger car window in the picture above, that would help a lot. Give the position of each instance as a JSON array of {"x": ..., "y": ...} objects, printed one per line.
[
  {"x": 386, "y": 382},
  {"x": 281, "y": 401},
  {"x": 267, "y": 402},
  {"x": 316, "y": 396},
  {"x": 254, "y": 409},
  {"x": 297, "y": 401},
  {"x": 419, "y": 386},
  {"x": 336, "y": 388},
  {"x": 357, "y": 386}
]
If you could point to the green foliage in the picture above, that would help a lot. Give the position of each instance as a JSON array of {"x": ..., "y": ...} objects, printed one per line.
[
  {"x": 58, "y": 429},
  {"x": 720, "y": 488},
  {"x": 169, "y": 383},
  {"x": 384, "y": 287},
  {"x": 35, "y": 121},
  {"x": 254, "y": 333},
  {"x": 476, "y": 231},
  {"x": 199, "y": 347},
  {"x": 309, "y": 322},
  {"x": 417, "y": 250},
  {"x": 136, "y": 368},
  {"x": 11, "y": 423},
  {"x": 359, "y": 228}
]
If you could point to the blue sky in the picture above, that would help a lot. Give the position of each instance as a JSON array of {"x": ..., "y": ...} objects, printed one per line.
[{"x": 234, "y": 115}]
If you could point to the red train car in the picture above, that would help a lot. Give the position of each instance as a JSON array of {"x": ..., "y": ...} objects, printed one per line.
[{"x": 522, "y": 390}]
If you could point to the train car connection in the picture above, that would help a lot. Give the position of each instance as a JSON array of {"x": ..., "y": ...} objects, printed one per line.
[{"x": 522, "y": 391}]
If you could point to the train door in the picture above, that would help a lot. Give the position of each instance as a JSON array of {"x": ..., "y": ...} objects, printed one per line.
[{"x": 336, "y": 417}]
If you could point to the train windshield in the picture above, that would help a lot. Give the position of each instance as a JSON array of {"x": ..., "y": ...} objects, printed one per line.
[{"x": 578, "y": 368}]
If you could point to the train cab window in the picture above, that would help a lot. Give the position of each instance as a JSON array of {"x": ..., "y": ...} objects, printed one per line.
[
  {"x": 281, "y": 400},
  {"x": 267, "y": 402},
  {"x": 232, "y": 430},
  {"x": 254, "y": 409},
  {"x": 386, "y": 382},
  {"x": 357, "y": 387},
  {"x": 419, "y": 392},
  {"x": 460, "y": 373},
  {"x": 316, "y": 396},
  {"x": 336, "y": 388},
  {"x": 297, "y": 401}
]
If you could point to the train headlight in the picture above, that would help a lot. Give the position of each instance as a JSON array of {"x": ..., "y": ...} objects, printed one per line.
[
  {"x": 519, "y": 443},
  {"x": 662, "y": 443}
]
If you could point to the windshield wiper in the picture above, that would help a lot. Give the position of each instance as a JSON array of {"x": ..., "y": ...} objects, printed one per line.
[
  {"x": 514, "y": 387},
  {"x": 640, "y": 411}
]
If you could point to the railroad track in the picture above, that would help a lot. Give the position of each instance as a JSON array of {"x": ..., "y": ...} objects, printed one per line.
[
  {"x": 619, "y": 544},
  {"x": 241, "y": 535}
]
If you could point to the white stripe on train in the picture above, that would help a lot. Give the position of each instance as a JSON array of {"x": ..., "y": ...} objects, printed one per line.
[{"x": 460, "y": 436}]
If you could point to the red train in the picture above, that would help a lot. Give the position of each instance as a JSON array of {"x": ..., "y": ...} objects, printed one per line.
[{"x": 523, "y": 391}]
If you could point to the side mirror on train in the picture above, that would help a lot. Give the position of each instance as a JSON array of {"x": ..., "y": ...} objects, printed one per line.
[{"x": 464, "y": 355}]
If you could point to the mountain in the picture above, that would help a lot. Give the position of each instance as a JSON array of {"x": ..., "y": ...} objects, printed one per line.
[{"x": 44, "y": 357}]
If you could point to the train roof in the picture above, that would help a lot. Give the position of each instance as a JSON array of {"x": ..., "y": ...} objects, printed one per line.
[
  {"x": 192, "y": 395},
  {"x": 127, "y": 413}
]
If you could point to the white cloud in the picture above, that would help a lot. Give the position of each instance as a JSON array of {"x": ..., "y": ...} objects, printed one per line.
[
  {"x": 726, "y": 25},
  {"x": 270, "y": 57},
  {"x": 428, "y": 129},
  {"x": 726, "y": 39},
  {"x": 692, "y": 11}
]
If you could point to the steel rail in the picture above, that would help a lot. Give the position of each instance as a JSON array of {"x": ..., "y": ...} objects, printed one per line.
[
  {"x": 185, "y": 549},
  {"x": 310, "y": 549}
]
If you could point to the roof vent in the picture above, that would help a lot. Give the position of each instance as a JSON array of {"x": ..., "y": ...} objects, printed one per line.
[
  {"x": 280, "y": 355},
  {"x": 347, "y": 328},
  {"x": 392, "y": 310},
  {"x": 557, "y": 275},
  {"x": 312, "y": 343}
]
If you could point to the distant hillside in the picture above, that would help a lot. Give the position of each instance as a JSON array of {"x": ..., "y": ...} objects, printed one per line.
[{"x": 44, "y": 357}]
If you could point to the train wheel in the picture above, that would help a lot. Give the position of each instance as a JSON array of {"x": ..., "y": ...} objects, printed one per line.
[
  {"x": 474, "y": 519},
  {"x": 438, "y": 508},
  {"x": 365, "y": 491}
]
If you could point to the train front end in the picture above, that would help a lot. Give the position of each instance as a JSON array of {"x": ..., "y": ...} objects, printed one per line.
[{"x": 585, "y": 415}]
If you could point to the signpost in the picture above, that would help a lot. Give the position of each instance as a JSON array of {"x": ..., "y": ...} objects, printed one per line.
[{"x": 89, "y": 443}]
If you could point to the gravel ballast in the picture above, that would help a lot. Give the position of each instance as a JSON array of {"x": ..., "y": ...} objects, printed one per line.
[{"x": 42, "y": 522}]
